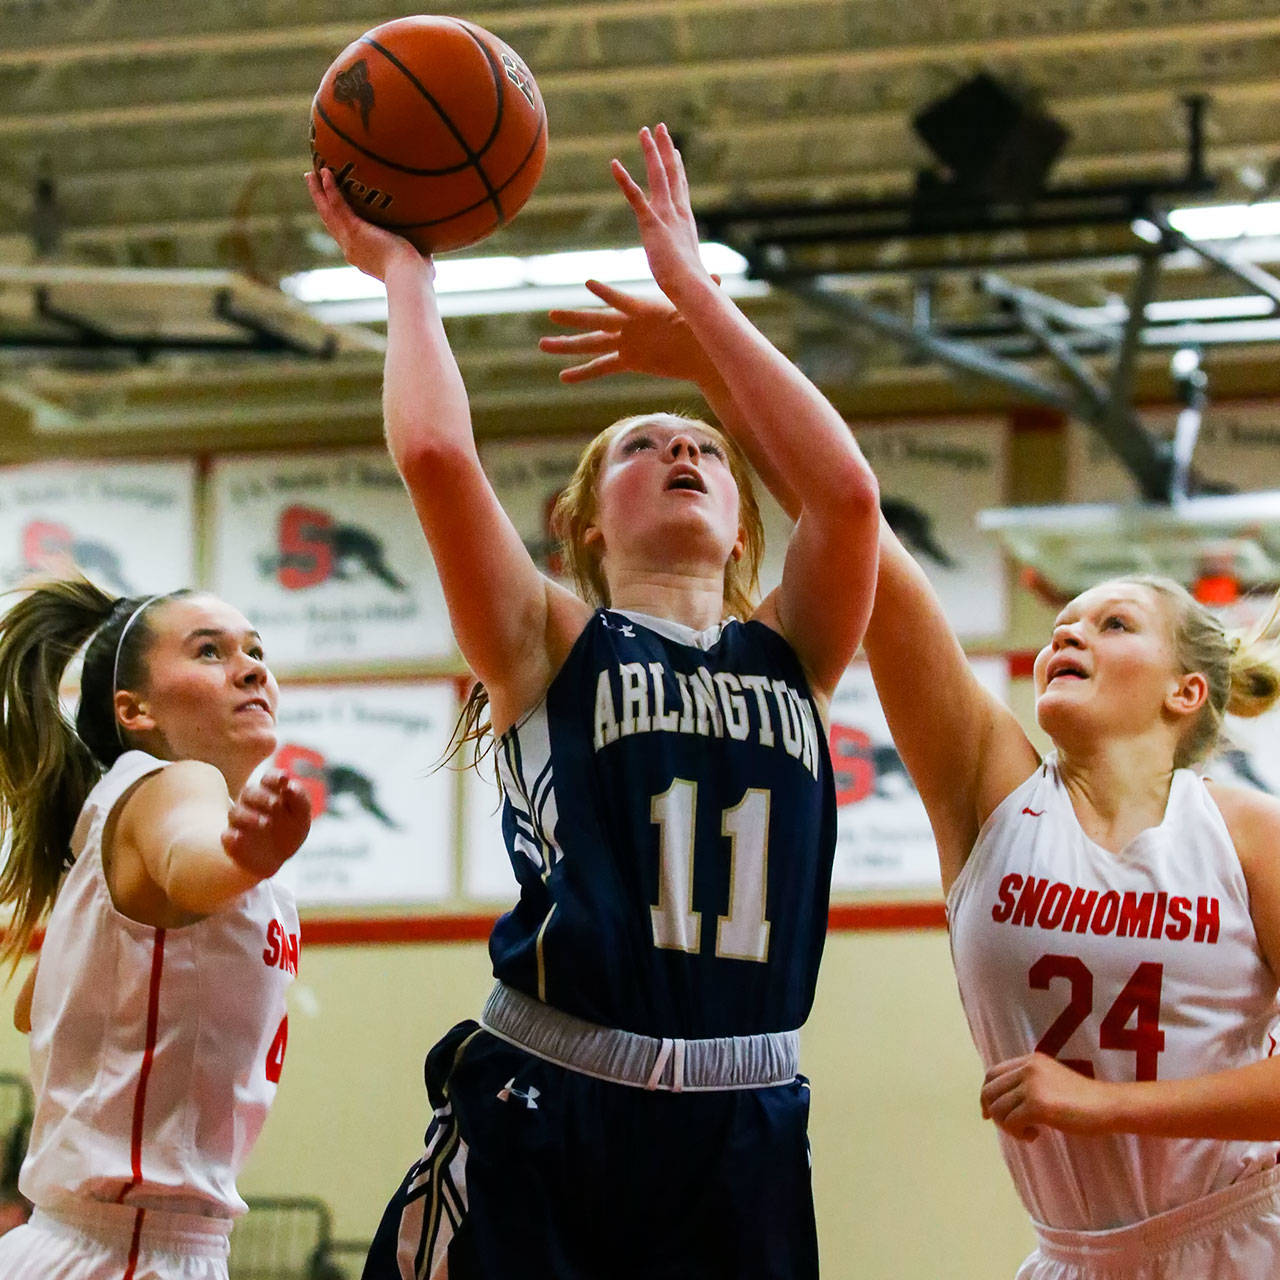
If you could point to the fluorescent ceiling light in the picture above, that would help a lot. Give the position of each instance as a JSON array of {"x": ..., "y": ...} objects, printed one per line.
[
  {"x": 1240, "y": 307},
  {"x": 521, "y": 282},
  {"x": 1228, "y": 221}
]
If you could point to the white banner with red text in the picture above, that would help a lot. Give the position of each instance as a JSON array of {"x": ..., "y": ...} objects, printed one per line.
[{"x": 323, "y": 553}]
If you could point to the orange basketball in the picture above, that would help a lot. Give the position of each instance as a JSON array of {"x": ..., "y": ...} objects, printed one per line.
[{"x": 433, "y": 128}]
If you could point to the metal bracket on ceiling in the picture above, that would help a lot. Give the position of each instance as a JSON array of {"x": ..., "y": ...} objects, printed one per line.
[
  {"x": 810, "y": 252},
  {"x": 69, "y": 329}
]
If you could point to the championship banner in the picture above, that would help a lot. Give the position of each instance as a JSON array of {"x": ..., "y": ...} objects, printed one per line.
[
  {"x": 323, "y": 554},
  {"x": 883, "y": 838},
  {"x": 127, "y": 526},
  {"x": 527, "y": 477},
  {"x": 934, "y": 479},
  {"x": 1238, "y": 448},
  {"x": 383, "y": 816}
]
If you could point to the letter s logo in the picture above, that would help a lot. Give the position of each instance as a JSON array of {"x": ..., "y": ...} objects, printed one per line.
[
  {"x": 43, "y": 543},
  {"x": 851, "y": 761},
  {"x": 308, "y": 768},
  {"x": 271, "y": 956},
  {"x": 306, "y": 555}
]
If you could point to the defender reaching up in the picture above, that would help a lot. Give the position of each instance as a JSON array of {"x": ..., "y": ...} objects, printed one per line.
[{"x": 1115, "y": 918}]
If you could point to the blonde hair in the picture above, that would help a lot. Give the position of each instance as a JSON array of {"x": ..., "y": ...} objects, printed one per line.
[
  {"x": 1241, "y": 666},
  {"x": 574, "y": 513}
]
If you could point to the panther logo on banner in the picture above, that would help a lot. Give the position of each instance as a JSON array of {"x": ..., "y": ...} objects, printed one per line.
[
  {"x": 883, "y": 838},
  {"x": 313, "y": 548},
  {"x": 52, "y": 547},
  {"x": 865, "y": 768},
  {"x": 331, "y": 786}
]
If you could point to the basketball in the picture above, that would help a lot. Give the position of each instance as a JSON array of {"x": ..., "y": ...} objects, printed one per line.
[{"x": 433, "y": 127}]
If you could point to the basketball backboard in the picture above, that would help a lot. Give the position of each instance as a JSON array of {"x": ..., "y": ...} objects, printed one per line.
[{"x": 1220, "y": 546}]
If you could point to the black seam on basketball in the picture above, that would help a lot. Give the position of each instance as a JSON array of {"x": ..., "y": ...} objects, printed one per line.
[
  {"x": 499, "y": 85},
  {"x": 457, "y": 213},
  {"x": 440, "y": 111},
  {"x": 528, "y": 155},
  {"x": 382, "y": 160}
]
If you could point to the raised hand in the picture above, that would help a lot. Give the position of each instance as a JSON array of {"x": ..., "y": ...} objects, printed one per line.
[
  {"x": 1023, "y": 1094},
  {"x": 267, "y": 823},
  {"x": 367, "y": 248},
  {"x": 663, "y": 215},
  {"x": 627, "y": 335}
]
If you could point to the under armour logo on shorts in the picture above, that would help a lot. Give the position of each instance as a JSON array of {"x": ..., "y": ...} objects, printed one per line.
[{"x": 529, "y": 1097}]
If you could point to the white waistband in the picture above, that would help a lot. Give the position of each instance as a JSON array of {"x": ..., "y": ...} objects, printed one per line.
[
  {"x": 115, "y": 1225},
  {"x": 1140, "y": 1240},
  {"x": 644, "y": 1062}
]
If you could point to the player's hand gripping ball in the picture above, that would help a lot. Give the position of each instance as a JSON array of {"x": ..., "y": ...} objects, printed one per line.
[{"x": 433, "y": 127}]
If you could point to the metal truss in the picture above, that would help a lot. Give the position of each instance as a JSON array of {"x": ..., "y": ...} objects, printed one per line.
[
  {"x": 821, "y": 255},
  {"x": 146, "y": 313}
]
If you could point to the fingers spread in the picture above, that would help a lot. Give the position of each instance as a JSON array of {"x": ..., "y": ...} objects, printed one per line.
[
  {"x": 295, "y": 800},
  {"x": 588, "y": 318},
  {"x": 635, "y": 196},
  {"x": 580, "y": 343},
  {"x": 246, "y": 818},
  {"x": 623, "y": 303},
  {"x": 596, "y": 368},
  {"x": 672, "y": 163},
  {"x": 655, "y": 168}
]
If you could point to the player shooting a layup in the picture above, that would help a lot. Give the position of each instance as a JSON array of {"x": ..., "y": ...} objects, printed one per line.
[
  {"x": 629, "y": 1104},
  {"x": 1115, "y": 919},
  {"x": 156, "y": 1011}
]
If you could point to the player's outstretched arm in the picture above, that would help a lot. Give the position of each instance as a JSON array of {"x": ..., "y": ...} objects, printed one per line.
[
  {"x": 825, "y": 597},
  {"x": 512, "y": 624},
  {"x": 964, "y": 749},
  {"x": 182, "y": 846}
]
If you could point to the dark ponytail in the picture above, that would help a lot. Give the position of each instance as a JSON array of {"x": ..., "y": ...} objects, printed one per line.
[{"x": 47, "y": 766}]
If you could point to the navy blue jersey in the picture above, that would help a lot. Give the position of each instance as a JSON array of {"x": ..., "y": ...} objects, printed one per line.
[{"x": 670, "y": 815}]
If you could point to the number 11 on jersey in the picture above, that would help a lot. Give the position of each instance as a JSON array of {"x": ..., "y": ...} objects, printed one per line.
[{"x": 743, "y": 934}]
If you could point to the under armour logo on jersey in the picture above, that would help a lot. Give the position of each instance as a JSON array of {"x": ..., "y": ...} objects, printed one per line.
[
  {"x": 624, "y": 627},
  {"x": 529, "y": 1097},
  {"x": 1035, "y": 813}
]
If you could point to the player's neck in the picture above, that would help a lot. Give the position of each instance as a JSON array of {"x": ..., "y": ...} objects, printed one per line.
[
  {"x": 1117, "y": 787},
  {"x": 693, "y": 601}
]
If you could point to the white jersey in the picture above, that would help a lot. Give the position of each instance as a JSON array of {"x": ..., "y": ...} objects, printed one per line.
[
  {"x": 1138, "y": 965},
  {"x": 154, "y": 1052}
]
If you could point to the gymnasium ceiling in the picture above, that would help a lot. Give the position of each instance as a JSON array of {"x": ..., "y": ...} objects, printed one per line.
[{"x": 174, "y": 136}]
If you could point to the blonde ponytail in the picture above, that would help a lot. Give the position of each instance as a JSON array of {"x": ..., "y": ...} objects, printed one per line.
[
  {"x": 48, "y": 765},
  {"x": 1255, "y": 665},
  {"x": 1241, "y": 668}
]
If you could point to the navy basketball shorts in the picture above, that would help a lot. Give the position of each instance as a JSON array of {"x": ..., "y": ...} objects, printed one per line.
[{"x": 542, "y": 1173}]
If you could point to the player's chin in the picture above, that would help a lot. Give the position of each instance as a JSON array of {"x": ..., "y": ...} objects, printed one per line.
[
  {"x": 260, "y": 738},
  {"x": 1062, "y": 715}
]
